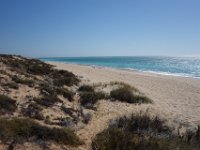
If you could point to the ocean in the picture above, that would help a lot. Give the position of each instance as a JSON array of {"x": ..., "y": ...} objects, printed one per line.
[{"x": 176, "y": 66}]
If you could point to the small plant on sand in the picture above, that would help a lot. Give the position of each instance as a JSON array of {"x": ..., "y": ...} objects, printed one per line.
[
  {"x": 47, "y": 101},
  {"x": 21, "y": 130},
  {"x": 125, "y": 94},
  {"x": 12, "y": 85},
  {"x": 140, "y": 132},
  {"x": 38, "y": 67},
  {"x": 33, "y": 111},
  {"x": 7, "y": 105},
  {"x": 88, "y": 95},
  {"x": 47, "y": 89},
  {"x": 28, "y": 82},
  {"x": 63, "y": 77},
  {"x": 50, "y": 90},
  {"x": 86, "y": 88},
  {"x": 91, "y": 97},
  {"x": 65, "y": 93}
]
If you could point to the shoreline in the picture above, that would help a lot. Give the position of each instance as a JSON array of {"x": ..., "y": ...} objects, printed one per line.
[
  {"x": 130, "y": 70},
  {"x": 175, "y": 98}
]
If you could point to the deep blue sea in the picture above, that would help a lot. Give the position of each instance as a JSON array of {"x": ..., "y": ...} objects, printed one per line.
[{"x": 177, "y": 66}]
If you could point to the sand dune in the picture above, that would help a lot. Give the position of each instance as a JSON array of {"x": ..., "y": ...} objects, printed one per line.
[{"x": 175, "y": 98}]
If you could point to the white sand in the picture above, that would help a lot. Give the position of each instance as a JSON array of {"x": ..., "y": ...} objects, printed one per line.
[{"x": 178, "y": 98}]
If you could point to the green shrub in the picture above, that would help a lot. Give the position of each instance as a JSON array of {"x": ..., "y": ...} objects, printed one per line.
[
  {"x": 139, "y": 133},
  {"x": 23, "y": 65},
  {"x": 12, "y": 85},
  {"x": 52, "y": 91},
  {"x": 63, "y": 77},
  {"x": 30, "y": 67},
  {"x": 47, "y": 101},
  {"x": 88, "y": 95},
  {"x": 86, "y": 88},
  {"x": 28, "y": 82},
  {"x": 20, "y": 130},
  {"x": 33, "y": 111},
  {"x": 125, "y": 94},
  {"x": 7, "y": 104},
  {"x": 66, "y": 93},
  {"x": 37, "y": 67},
  {"x": 47, "y": 89},
  {"x": 69, "y": 111},
  {"x": 69, "y": 81},
  {"x": 91, "y": 97},
  {"x": 143, "y": 123}
]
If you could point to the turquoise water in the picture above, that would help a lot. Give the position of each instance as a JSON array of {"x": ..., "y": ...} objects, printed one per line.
[{"x": 179, "y": 66}]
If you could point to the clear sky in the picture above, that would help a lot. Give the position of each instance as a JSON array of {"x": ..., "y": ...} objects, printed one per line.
[{"x": 41, "y": 28}]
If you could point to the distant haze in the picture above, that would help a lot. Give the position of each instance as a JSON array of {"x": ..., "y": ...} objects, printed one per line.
[{"x": 47, "y": 28}]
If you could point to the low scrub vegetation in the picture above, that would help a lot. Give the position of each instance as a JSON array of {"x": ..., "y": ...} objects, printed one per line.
[
  {"x": 53, "y": 91},
  {"x": 28, "y": 82},
  {"x": 33, "y": 111},
  {"x": 65, "y": 93},
  {"x": 47, "y": 101},
  {"x": 38, "y": 67},
  {"x": 141, "y": 132},
  {"x": 7, "y": 105},
  {"x": 11, "y": 85},
  {"x": 63, "y": 77},
  {"x": 47, "y": 89},
  {"x": 91, "y": 97},
  {"x": 21, "y": 64},
  {"x": 21, "y": 130},
  {"x": 125, "y": 94},
  {"x": 88, "y": 95},
  {"x": 86, "y": 88},
  {"x": 27, "y": 66}
]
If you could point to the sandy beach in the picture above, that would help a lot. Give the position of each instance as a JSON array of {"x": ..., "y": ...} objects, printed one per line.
[
  {"x": 91, "y": 102},
  {"x": 100, "y": 75},
  {"x": 175, "y": 98}
]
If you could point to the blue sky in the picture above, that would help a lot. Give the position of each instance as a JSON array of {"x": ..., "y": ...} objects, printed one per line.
[{"x": 42, "y": 28}]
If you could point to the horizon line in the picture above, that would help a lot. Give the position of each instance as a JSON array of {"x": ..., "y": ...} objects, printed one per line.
[{"x": 191, "y": 56}]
